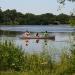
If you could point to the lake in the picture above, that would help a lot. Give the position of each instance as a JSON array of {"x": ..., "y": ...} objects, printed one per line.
[{"x": 64, "y": 38}]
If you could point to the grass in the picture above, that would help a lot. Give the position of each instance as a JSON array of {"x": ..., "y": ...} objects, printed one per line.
[
  {"x": 11, "y": 73},
  {"x": 14, "y": 61}
]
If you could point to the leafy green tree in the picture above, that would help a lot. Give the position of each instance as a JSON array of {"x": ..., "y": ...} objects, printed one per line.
[
  {"x": 63, "y": 18},
  {"x": 72, "y": 21},
  {"x": 12, "y": 17},
  {"x": 1, "y": 16}
]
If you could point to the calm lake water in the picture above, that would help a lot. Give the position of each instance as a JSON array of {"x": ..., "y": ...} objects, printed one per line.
[{"x": 64, "y": 38}]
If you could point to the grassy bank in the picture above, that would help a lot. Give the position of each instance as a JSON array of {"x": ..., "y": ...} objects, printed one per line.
[{"x": 15, "y": 61}]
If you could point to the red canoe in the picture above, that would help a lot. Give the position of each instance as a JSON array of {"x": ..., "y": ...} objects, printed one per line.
[{"x": 50, "y": 37}]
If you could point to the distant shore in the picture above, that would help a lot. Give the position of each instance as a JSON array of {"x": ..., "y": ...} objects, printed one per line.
[{"x": 12, "y": 17}]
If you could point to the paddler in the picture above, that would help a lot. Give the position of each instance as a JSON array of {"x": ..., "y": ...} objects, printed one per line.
[
  {"x": 26, "y": 34},
  {"x": 46, "y": 34}
]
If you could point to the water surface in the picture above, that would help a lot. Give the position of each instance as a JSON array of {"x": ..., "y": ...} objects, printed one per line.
[{"x": 64, "y": 38}]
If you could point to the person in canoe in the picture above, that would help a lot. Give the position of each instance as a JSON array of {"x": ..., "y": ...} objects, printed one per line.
[
  {"x": 46, "y": 34},
  {"x": 37, "y": 35},
  {"x": 26, "y": 34}
]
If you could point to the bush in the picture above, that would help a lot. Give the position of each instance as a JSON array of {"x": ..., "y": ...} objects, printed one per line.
[
  {"x": 11, "y": 57},
  {"x": 14, "y": 58}
]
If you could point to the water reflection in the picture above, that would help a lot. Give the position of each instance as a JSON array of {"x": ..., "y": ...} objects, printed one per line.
[
  {"x": 27, "y": 36},
  {"x": 37, "y": 41},
  {"x": 26, "y": 42},
  {"x": 62, "y": 40}
]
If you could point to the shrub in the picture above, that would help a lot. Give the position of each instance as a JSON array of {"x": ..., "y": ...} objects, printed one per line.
[{"x": 11, "y": 57}]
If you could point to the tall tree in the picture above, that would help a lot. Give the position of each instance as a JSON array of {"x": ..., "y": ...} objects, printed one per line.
[{"x": 1, "y": 15}]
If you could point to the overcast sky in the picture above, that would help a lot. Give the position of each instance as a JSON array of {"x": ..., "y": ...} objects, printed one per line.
[{"x": 36, "y": 6}]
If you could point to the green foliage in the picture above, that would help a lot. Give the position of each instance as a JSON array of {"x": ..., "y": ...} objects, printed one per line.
[
  {"x": 11, "y": 57},
  {"x": 12, "y": 17},
  {"x": 63, "y": 18},
  {"x": 72, "y": 21},
  {"x": 67, "y": 64},
  {"x": 12, "y": 73},
  {"x": 14, "y": 61}
]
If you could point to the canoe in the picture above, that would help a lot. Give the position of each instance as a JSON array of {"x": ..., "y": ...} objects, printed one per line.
[{"x": 50, "y": 37}]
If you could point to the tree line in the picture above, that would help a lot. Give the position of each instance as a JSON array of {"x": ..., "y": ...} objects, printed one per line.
[{"x": 12, "y": 17}]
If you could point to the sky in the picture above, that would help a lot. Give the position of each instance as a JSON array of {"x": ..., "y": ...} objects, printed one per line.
[{"x": 37, "y": 6}]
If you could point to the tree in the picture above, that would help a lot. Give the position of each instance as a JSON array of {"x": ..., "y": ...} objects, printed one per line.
[
  {"x": 1, "y": 15},
  {"x": 12, "y": 17},
  {"x": 63, "y": 1},
  {"x": 63, "y": 18}
]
